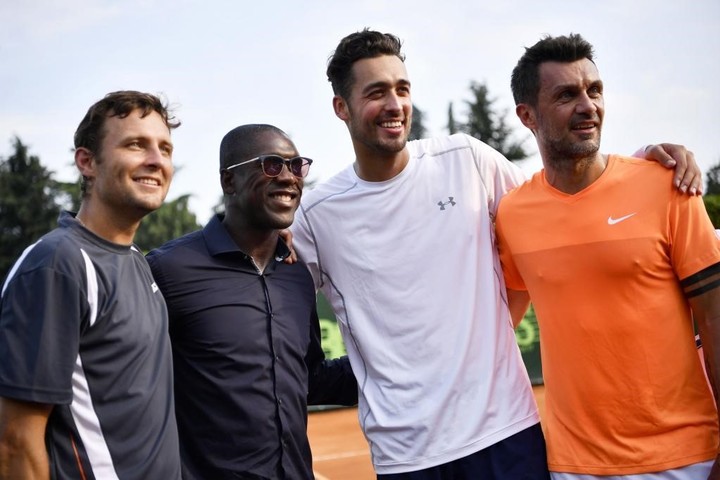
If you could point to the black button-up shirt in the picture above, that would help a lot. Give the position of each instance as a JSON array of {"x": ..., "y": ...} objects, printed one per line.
[{"x": 247, "y": 358}]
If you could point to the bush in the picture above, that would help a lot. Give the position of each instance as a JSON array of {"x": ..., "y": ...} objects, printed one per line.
[{"x": 712, "y": 205}]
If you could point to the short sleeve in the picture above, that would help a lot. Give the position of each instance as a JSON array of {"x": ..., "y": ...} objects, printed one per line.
[
  {"x": 498, "y": 173},
  {"x": 40, "y": 322},
  {"x": 694, "y": 243}
]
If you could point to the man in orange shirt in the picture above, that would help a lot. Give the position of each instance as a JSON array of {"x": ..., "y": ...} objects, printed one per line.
[{"x": 617, "y": 264}]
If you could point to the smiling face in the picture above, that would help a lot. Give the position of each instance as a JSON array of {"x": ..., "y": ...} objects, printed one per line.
[
  {"x": 256, "y": 201},
  {"x": 378, "y": 112},
  {"x": 567, "y": 120},
  {"x": 131, "y": 173}
]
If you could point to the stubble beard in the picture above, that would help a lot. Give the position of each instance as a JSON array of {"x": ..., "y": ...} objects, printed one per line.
[
  {"x": 381, "y": 147},
  {"x": 565, "y": 155}
]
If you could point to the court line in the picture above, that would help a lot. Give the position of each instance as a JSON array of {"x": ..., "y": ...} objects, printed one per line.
[{"x": 338, "y": 456}]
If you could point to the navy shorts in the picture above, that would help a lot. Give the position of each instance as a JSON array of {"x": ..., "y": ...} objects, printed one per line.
[{"x": 519, "y": 457}]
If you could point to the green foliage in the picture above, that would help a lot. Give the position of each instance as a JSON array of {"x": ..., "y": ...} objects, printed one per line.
[
  {"x": 172, "y": 220},
  {"x": 417, "y": 129},
  {"x": 712, "y": 205},
  {"x": 70, "y": 195},
  {"x": 713, "y": 181},
  {"x": 484, "y": 123},
  {"x": 28, "y": 207}
]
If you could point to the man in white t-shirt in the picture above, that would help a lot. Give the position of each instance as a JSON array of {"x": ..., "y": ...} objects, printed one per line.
[{"x": 401, "y": 243}]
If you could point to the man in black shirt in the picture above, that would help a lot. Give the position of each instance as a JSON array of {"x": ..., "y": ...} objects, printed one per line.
[
  {"x": 243, "y": 324},
  {"x": 85, "y": 362}
]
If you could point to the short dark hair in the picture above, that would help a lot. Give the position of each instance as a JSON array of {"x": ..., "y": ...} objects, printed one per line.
[
  {"x": 241, "y": 142},
  {"x": 525, "y": 80},
  {"x": 358, "y": 46},
  {"x": 90, "y": 132}
]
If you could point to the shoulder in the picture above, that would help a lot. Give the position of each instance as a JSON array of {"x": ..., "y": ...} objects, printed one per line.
[
  {"x": 58, "y": 249},
  {"x": 438, "y": 146},
  {"x": 643, "y": 174},
  {"x": 458, "y": 142},
  {"x": 340, "y": 183},
  {"x": 53, "y": 260},
  {"x": 174, "y": 249}
]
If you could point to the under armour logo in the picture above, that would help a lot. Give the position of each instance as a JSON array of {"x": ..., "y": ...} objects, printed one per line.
[{"x": 451, "y": 202}]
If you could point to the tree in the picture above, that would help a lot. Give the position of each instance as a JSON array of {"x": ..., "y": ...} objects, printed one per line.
[
  {"x": 484, "y": 123},
  {"x": 452, "y": 125},
  {"x": 712, "y": 205},
  {"x": 713, "y": 181},
  {"x": 417, "y": 129},
  {"x": 170, "y": 221},
  {"x": 70, "y": 195},
  {"x": 28, "y": 206}
]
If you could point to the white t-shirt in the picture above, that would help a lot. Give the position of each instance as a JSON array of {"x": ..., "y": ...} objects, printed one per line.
[{"x": 410, "y": 268}]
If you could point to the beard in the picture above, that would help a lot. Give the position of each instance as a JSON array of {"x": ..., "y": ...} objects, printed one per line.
[
  {"x": 565, "y": 150},
  {"x": 368, "y": 137}
]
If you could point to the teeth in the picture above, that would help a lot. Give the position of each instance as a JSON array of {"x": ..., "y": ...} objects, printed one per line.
[
  {"x": 391, "y": 124},
  {"x": 283, "y": 197},
  {"x": 148, "y": 181}
]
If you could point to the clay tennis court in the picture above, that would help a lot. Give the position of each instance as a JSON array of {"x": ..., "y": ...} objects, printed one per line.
[{"x": 340, "y": 451}]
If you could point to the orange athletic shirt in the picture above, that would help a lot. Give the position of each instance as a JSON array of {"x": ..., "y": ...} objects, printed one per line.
[{"x": 625, "y": 392}]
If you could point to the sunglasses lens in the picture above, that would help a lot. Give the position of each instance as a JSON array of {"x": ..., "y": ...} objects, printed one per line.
[
  {"x": 299, "y": 167},
  {"x": 273, "y": 165}
]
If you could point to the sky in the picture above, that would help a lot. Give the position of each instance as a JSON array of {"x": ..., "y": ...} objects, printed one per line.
[{"x": 224, "y": 63}]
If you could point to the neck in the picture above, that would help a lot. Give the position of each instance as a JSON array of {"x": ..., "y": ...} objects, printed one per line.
[
  {"x": 574, "y": 175},
  {"x": 377, "y": 166},
  {"x": 260, "y": 245},
  {"x": 110, "y": 226}
]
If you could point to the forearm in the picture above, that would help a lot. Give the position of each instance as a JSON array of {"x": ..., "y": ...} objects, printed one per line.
[
  {"x": 22, "y": 459},
  {"x": 709, "y": 329},
  {"x": 332, "y": 382},
  {"x": 22, "y": 440}
]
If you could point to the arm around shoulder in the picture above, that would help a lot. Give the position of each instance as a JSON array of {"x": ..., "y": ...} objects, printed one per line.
[
  {"x": 688, "y": 176},
  {"x": 22, "y": 440},
  {"x": 332, "y": 382}
]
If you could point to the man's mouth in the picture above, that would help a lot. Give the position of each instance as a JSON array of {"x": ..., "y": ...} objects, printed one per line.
[
  {"x": 391, "y": 124},
  {"x": 585, "y": 125},
  {"x": 283, "y": 196},
  {"x": 148, "y": 181}
]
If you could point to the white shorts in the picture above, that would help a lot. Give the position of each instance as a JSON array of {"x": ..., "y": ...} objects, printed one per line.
[{"x": 696, "y": 471}]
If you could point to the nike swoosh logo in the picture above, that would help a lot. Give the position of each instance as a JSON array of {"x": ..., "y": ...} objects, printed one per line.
[{"x": 613, "y": 221}]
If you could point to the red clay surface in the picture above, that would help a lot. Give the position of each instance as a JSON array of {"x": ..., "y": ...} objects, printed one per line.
[{"x": 340, "y": 451}]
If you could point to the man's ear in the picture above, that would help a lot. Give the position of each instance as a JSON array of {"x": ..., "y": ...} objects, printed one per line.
[
  {"x": 526, "y": 115},
  {"x": 227, "y": 182},
  {"x": 341, "y": 108},
  {"x": 85, "y": 162}
]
